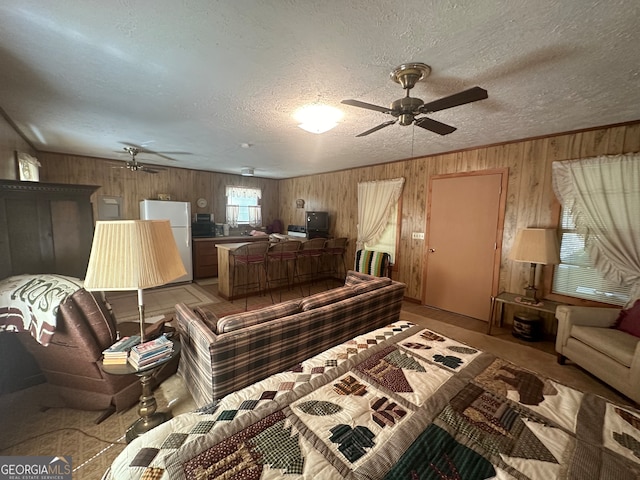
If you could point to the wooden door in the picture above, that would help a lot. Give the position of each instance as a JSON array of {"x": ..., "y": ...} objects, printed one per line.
[{"x": 464, "y": 239}]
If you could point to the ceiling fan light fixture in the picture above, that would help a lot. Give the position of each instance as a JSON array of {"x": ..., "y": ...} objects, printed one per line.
[
  {"x": 318, "y": 118},
  {"x": 246, "y": 172}
]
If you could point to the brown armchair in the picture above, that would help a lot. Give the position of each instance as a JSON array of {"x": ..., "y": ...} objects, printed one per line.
[{"x": 72, "y": 360}]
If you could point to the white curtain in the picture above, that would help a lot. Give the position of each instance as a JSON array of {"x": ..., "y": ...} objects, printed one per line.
[
  {"x": 255, "y": 216},
  {"x": 243, "y": 192},
  {"x": 232, "y": 215},
  {"x": 603, "y": 195},
  {"x": 375, "y": 201}
]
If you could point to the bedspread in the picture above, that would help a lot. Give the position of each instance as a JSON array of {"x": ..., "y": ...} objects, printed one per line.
[{"x": 400, "y": 402}]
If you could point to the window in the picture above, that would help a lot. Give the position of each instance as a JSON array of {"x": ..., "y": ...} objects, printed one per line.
[
  {"x": 243, "y": 206},
  {"x": 387, "y": 242},
  {"x": 576, "y": 275}
]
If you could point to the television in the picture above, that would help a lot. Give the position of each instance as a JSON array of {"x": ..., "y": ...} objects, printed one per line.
[{"x": 317, "y": 221}]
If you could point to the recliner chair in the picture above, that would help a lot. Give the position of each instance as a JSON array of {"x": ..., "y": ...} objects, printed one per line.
[{"x": 71, "y": 362}]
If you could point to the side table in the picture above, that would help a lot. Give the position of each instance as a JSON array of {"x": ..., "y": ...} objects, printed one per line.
[
  {"x": 149, "y": 417},
  {"x": 497, "y": 302}
]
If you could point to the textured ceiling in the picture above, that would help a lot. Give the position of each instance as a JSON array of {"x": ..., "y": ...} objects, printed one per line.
[{"x": 194, "y": 80}]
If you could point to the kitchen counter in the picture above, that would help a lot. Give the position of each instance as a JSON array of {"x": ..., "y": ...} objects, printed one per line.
[{"x": 205, "y": 255}]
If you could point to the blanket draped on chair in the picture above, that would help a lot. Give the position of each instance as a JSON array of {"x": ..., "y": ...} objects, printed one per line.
[{"x": 29, "y": 303}]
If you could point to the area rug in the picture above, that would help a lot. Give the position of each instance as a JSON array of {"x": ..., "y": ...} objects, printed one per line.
[{"x": 158, "y": 302}]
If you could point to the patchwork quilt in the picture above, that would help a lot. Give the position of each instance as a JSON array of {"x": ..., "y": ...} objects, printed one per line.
[{"x": 400, "y": 402}]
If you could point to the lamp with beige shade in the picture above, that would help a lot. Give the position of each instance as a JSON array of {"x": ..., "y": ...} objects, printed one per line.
[
  {"x": 133, "y": 255},
  {"x": 535, "y": 246}
]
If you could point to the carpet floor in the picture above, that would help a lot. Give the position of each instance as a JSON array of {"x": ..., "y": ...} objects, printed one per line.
[
  {"x": 158, "y": 302},
  {"x": 30, "y": 430}
]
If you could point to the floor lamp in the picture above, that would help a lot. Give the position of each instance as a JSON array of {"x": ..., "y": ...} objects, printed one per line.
[
  {"x": 133, "y": 255},
  {"x": 534, "y": 246}
]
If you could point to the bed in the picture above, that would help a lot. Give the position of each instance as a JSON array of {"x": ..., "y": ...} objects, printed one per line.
[{"x": 399, "y": 402}]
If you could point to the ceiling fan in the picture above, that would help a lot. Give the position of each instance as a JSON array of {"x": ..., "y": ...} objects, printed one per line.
[
  {"x": 406, "y": 109},
  {"x": 135, "y": 166}
]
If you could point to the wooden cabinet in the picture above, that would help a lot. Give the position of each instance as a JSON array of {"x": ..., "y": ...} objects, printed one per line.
[
  {"x": 45, "y": 228},
  {"x": 205, "y": 253},
  {"x": 205, "y": 258}
]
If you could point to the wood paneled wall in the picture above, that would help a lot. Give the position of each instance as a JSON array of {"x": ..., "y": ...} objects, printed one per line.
[
  {"x": 530, "y": 198},
  {"x": 181, "y": 184}
]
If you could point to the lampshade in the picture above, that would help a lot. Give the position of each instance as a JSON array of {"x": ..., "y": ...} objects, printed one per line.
[
  {"x": 133, "y": 255},
  {"x": 536, "y": 245}
]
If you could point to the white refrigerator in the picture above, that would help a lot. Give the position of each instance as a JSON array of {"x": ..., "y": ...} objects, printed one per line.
[{"x": 179, "y": 216}]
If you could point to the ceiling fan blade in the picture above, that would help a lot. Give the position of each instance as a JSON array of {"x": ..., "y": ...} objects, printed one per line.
[
  {"x": 150, "y": 169},
  {"x": 358, "y": 103},
  {"x": 375, "y": 129},
  {"x": 435, "y": 126},
  {"x": 472, "y": 95}
]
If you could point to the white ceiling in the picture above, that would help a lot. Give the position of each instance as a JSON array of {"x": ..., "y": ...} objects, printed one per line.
[{"x": 198, "y": 79}]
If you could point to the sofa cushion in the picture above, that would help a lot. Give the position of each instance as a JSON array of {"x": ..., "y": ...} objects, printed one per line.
[
  {"x": 237, "y": 321},
  {"x": 330, "y": 296},
  {"x": 629, "y": 320},
  {"x": 614, "y": 343}
]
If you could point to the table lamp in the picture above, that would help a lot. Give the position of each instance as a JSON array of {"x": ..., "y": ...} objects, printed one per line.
[
  {"x": 133, "y": 255},
  {"x": 534, "y": 246}
]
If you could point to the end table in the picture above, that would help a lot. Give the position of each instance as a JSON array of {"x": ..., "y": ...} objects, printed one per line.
[
  {"x": 149, "y": 417},
  {"x": 498, "y": 301}
]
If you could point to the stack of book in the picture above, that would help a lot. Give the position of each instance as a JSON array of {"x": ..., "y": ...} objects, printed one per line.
[
  {"x": 150, "y": 353},
  {"x": 118, "y": 353}
]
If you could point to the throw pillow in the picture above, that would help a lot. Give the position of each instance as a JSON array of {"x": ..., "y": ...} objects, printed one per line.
[{"x": 629, "y": 320}]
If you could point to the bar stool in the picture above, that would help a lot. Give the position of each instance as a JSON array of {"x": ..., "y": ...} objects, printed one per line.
[
  {"x": 308, "y": 261},
  {"x": 334, "y": 251},
  {"x": 250, "y": 258},
  {"x": 280, "y": 257}
]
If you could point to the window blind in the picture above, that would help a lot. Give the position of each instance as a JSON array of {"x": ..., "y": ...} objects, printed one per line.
[{"x": 576, "y": 275}]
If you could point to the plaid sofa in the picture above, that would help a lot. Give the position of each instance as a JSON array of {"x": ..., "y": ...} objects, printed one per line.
[{"x": 222, "y": 355}]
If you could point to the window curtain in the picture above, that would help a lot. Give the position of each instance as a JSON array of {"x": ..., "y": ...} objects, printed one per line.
[
  {"x": 603, "y": 195},
  {"x": 255, "y": 216},
  {"x": 243, "y": 192},
  {"x": 375, "y": 201},
  {"x": 232, "y": 215}
]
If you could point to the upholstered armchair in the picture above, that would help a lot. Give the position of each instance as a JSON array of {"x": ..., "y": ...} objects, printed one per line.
[
  {"x": 71, "y": 361},
  {"x": 588, "y": 337}
]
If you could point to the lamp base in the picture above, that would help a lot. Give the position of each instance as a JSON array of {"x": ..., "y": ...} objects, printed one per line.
[{"x": 530, "y": 295}]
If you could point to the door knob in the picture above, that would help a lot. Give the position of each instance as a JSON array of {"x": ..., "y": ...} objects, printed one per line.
[{"x": 432, "y": 250}]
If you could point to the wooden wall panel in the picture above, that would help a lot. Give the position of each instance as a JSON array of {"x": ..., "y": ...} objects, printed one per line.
[
  {"x": 530, "y": 198},
  {"x": 181, "y": 184}
]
